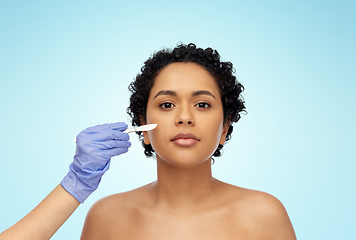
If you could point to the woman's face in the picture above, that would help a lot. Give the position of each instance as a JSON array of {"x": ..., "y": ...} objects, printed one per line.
[{"x": 185, "y": 103}]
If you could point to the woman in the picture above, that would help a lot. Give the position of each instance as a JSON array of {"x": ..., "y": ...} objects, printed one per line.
[{"x": 194, "y": 98}]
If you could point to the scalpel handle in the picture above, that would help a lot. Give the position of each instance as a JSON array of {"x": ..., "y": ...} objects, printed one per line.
[{"x": 130, "y": 130}]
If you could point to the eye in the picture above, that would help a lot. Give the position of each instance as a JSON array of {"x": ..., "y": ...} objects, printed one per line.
[
  {"x": 202, "y": 105},
  {"x": 166, "y": 105}
]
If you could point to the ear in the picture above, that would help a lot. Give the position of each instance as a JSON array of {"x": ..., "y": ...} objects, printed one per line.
[
  {"x": 146, "y": 140},
  {"x": 224, "y": 132}
]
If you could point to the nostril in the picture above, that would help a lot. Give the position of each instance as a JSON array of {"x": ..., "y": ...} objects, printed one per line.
[
  {"x": 189, "y": 122},
  {"x": 180, "y": 122}
]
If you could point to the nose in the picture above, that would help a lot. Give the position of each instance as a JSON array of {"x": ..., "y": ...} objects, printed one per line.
[{"x": 185, "y": 116}]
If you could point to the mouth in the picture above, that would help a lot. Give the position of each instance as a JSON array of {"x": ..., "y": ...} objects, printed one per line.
[{"x": 185, "y": 139}]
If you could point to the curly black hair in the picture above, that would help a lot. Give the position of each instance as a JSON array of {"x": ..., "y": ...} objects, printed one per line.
[{"x": 209, "y": 59}]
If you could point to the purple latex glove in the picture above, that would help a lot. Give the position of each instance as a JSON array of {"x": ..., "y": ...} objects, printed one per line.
[{"x": 95, "y": 147}]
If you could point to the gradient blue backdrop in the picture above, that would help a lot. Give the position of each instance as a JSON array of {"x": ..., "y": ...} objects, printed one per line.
[{"x": 66, "y": 65}]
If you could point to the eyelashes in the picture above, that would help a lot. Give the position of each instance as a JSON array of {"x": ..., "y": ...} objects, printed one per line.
[
  {"x": 200, "y": 105},
  {"x": 166, "y": 105}
]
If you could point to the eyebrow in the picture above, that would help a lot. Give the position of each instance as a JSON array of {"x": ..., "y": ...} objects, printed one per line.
[
  {"x": 165, "y": 92},
  {"x": 203, "y": 92},
  {"x": 173, "y": 93}
]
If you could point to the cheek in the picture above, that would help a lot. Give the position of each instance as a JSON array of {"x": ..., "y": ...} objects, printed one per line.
[
  {"x": 216, "y": 129},
  {"x": 158, "y": 139},
  {"x": 162, "y": 127}
]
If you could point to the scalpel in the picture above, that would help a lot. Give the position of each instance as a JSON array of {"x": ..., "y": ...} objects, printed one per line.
[{"x": 147, "y": 127}]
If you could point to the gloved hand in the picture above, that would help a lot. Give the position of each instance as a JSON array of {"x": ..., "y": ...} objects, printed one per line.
[{"x": 95, "y": 147}]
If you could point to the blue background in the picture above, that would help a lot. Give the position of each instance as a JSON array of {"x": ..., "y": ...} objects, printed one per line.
[{"x": 66, "y": 65}]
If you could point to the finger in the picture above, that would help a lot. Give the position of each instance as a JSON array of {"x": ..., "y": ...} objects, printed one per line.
[
  {"x": 109, "y": 153},
  {"x": 118, "y": 135},
  {"x": 109, "y": 135},
  {"x": 118, "y": 151},
  {"x": 110, "y": 144},
  {"x": 114, "y": 135},
  {"x": 98, "y": 128},
  {"x": 104, "y": 135},
  {"x": 118, "y": 126}
]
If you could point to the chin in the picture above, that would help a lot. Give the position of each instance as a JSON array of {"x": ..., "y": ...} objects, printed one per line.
[{"x": 184, "y": 162}]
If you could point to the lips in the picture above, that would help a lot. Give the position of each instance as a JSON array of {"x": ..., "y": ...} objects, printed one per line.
[{"x": 185, "y": 139}]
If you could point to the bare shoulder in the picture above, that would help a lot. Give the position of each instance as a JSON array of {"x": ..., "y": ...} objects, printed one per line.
[
  {"x": 112, "y": 215},
  {"x": 261, "y": 213}
]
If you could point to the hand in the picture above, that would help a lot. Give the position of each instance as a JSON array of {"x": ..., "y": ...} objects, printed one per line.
[{"x": 95, "y": 147}]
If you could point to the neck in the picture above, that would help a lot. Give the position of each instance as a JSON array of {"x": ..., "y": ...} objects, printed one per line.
[{"x": 184, "y": 189}]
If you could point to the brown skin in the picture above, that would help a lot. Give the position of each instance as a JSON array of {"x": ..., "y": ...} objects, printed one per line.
[
  {"x": 231, "y": 213},
  {"x": 45, "y": 219},
  {"x": 186, "y": 202}
]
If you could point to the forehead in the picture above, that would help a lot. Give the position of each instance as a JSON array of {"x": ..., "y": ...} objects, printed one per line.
[{"x": 181, "y": 76}]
